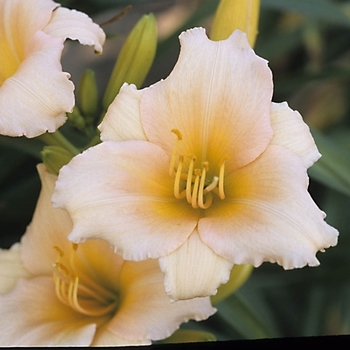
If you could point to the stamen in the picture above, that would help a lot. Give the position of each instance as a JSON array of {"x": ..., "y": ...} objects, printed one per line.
[
  {"x": 194, "y": 201},
  {"x": 221, "y": 180},
  {"x": 201, "y": 185},
  {"x": 84, "y": 298},
  {"x": 198, "y": 193},
  {"x": 208, "y": 201},
  {"x": 58, "y": 250},
  {"x": 189, "y": 181},
  {"x": 177, "y": 192}
]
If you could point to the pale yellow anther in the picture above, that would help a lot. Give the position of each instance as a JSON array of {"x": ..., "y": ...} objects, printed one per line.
[
  {"x": 58, "y": 250},
  {"x": 174, "y": 155},
  {"x": 177, "y": 133}
]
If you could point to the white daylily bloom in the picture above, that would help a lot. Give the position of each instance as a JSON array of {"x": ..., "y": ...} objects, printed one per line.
[
  {"x": 68, "y": 294},
  {"x": 34, "y": 92},
  {"x": 200, "y": 167}
]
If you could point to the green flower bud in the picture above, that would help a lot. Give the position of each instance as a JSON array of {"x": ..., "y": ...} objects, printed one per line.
[
  {"x": 87, "y": 94},
  {"x": 55, "y": 157},
  {"x": 239, "y": 274},
  {"x": 189, "y": 336},
  {"x": 76, "y": 118},
  {"x": 135, "y": 57}
]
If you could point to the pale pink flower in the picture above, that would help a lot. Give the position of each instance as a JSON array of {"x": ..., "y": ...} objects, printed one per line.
[
  {"x": 54, "y": 292},
  {"x": 200, "y": 170},
  {"x": 34, "y": 92}
]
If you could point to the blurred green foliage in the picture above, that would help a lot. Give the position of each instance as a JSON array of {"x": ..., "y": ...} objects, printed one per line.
[{"x": 307, "y": 44}]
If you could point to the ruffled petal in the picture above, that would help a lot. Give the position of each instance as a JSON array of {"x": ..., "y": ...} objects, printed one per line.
[
  {"x": 291, "y": 132},
  {"x": 268, "y": 215},
  {"x": 49, "y": 228},
  {"x": 31, "y": 314},
  {"x": 11, "y": 268},
  {"x": 20, "y": 20},
  {"x": 145, "y": 311},
  {"x": 218, "y": 97},
  {"x": 43, "y": 92},
  {"x": 122, "y": 120},
  {"x": 194, "y": 270},
  {"x": 75, "y": 25},
  {"x": 122, "y": 192}
]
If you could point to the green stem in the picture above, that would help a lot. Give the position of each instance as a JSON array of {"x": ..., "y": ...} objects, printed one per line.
[{"x": 57, "y": 139}]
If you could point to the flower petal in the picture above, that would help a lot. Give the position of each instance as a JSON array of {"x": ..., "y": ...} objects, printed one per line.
[
  {"x": 122, "y": 120},
  {"x": 11, "y": 268},
  {"x": 20, "y": 20},
  {"x": 75, "y": 25},
  {"x": 104, "y": 337},
  {"x": 49, "y": 227},
  {"x": 31, "y": 314},
  {"x": 218, "y": 97},
  {"x": 268, "y": 215},
  {"x": 122, "y": 192},
  {"x": 291, "y": 132},
  {"x": 145, "y": 311},
  {"x": 40, "y": 104},
  {"x": 194, "y": 270}
]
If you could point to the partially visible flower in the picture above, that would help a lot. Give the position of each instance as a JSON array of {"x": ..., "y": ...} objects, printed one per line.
[
  {"x": 200, "y": 170},
  {"x": 82, "y": 294},
  {"x": 34, "y": 92},
  {"x": 231, "y": 15}
]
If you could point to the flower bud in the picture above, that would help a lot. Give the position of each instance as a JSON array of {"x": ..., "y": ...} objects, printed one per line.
[
  {"x": 76, "y": 118},
  {"x": 87, "y": 94},
  {"x": 236, "y": 14},
  {"x": 135, "y": 57},
  {"x": 55, "y": 157}
]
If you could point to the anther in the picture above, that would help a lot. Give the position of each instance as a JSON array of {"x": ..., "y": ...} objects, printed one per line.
[
  {"x": 174, "y": 154},
  {"x": 59, "y": 251}
]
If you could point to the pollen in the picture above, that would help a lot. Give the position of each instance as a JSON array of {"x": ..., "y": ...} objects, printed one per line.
[{"x": 194, "y": 183}]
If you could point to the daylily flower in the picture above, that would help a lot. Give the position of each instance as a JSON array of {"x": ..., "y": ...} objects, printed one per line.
[
  {"x": 68, "y": 294},
  {"x": 34, "y": 92},
  {"x": 200, "y": 170}
]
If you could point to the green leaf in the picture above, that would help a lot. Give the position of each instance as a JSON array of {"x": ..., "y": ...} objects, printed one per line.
[
  {"x": 333, "y": 168},
  {"x": 243, "y": 318}
]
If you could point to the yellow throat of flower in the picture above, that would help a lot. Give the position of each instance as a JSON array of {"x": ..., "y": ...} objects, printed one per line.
[
  {"x": 193, "y": 183},
  {"x": 78, "y": 290}
]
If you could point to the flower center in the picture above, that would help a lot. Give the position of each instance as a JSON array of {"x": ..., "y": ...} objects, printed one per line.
[
  {"x": 78, "y": 290},
  {"x": 194, "y": 183}
]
